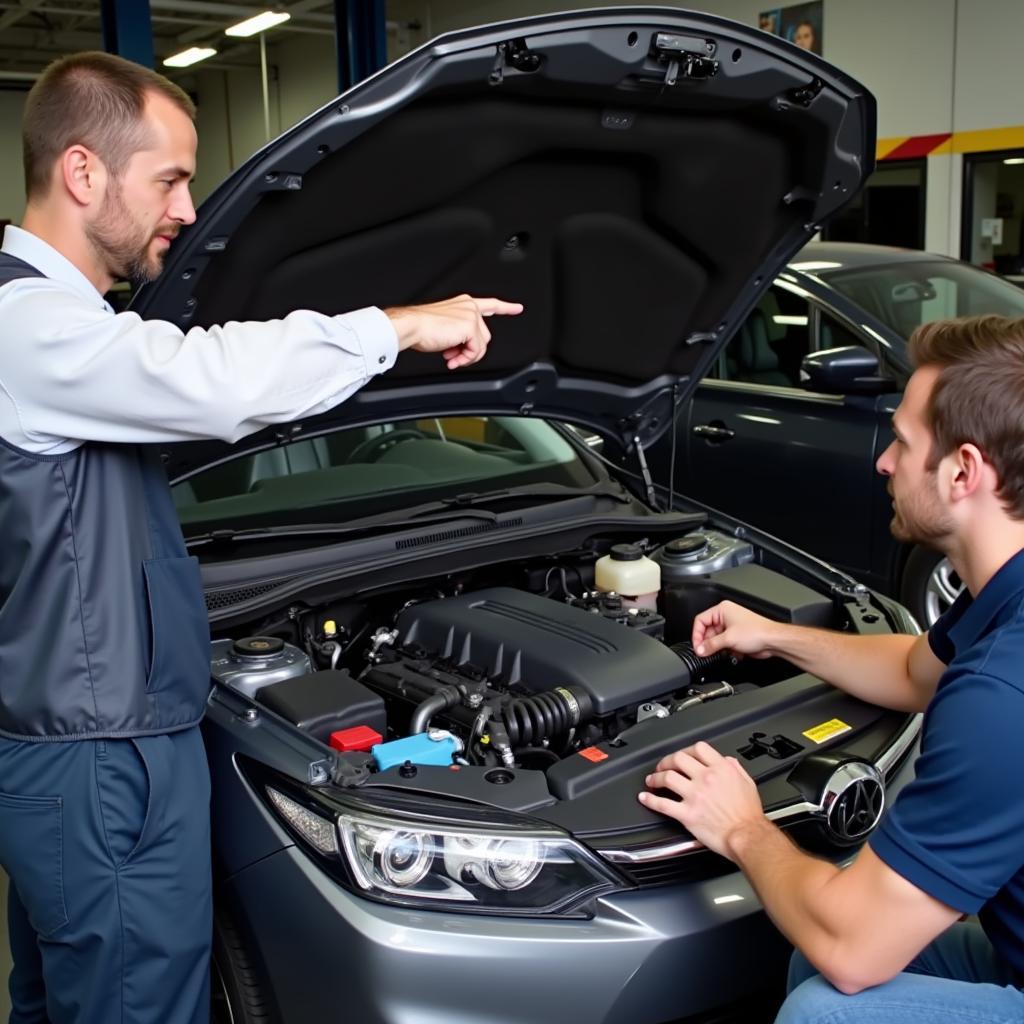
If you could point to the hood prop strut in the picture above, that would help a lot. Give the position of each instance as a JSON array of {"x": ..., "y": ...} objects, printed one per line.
[{"x": 646, "y": 473}]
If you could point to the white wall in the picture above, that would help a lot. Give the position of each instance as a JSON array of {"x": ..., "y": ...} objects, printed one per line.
[
  {"x": 989, "y": 70},
  {"x": 12, "y": 179}
]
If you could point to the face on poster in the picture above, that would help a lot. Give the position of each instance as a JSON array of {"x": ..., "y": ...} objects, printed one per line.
[{"x": 800, "y": 24}]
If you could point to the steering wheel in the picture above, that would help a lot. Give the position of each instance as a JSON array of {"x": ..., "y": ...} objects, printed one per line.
[{"x": 374, "y": 447}]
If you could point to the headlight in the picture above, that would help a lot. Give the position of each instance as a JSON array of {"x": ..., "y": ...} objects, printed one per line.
[
  {"x": 486, "y": 865},
  {"x": 479, "y": 869}
]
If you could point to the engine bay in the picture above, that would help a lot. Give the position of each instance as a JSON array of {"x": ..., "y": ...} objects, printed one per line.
[{"x": 519, "y": 668}]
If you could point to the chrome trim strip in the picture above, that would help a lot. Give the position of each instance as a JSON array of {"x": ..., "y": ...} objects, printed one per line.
[
  {"x": 804, "y": 808},
  {"x": 648, "y": 853},
  {"x": 903, "y": 743}
]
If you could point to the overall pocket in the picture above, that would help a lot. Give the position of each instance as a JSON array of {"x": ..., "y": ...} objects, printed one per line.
[
  {"x": 32, "y": 853},
  {"x": 180, "y": 665}
]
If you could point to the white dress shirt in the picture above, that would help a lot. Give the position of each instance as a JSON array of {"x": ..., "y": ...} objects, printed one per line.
[{"x": 72, "y": 370}]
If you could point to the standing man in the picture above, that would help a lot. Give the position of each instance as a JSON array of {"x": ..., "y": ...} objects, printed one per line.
[
  {"x": 883, "y": 940},
  {"x": 104, "y": 642}
]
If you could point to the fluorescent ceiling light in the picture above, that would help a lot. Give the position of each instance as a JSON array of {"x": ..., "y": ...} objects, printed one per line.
[
  {"x": 193, "y": 55},
  {"x": 1014, "y": 160},
  {"x": 257, "y": 23}
]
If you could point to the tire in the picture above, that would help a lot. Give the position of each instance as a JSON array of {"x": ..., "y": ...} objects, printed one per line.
[
  {"x": 929, "y": 585},
  {"x": 237, "y": 986}
]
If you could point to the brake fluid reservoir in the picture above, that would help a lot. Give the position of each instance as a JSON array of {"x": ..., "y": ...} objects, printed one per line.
[{"x": 629, "y": 573}]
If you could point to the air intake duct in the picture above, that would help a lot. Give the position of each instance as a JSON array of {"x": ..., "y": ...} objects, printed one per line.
[
  {"x": 700, "y": 668},
  {"x": 531, "y": 720}
]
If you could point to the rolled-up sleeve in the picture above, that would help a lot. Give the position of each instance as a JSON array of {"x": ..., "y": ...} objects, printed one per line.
[{"x": 91, "y": 375}]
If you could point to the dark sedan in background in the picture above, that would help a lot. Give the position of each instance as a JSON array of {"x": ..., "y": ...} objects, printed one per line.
[{"x": 786, "y": 428}]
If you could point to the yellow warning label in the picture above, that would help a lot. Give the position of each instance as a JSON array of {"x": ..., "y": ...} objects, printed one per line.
[{"x": 827, "y": 730}]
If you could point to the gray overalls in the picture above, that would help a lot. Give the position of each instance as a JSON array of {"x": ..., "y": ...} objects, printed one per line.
[{"x": 104, "y": 788}]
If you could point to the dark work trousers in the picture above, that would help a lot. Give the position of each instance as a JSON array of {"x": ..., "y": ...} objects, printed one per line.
[{"x": 107, "y": 845}]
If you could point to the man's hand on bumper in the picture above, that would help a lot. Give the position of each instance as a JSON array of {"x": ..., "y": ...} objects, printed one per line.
[{"x": 717, "y": 799}]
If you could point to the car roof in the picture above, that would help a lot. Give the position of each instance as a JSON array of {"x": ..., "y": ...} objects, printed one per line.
[{"x": 856, "y": 254}]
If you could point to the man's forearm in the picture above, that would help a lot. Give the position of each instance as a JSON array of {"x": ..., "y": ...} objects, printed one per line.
[
  {"x": 790, "y": 885},
  {"x": 874, "y": 668}
]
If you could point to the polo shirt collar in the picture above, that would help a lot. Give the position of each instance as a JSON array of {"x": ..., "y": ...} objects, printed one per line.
[
  {"x": 48, "y": 261},
  {"x": 1005, "y": 585}
]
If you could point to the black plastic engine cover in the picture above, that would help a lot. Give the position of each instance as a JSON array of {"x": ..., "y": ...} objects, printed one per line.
[{"x": 538, "y": 643}]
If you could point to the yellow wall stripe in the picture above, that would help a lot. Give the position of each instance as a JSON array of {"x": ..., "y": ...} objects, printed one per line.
[{"x": 983, "y": 140}]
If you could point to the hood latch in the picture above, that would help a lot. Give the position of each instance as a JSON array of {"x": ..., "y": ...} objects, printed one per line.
[
  {"x": 686, "y": 56},
  {"x": 513, "y": 55}
]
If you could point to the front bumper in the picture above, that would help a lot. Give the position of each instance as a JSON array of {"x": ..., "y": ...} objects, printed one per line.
[{"x": 644, "y": 958}]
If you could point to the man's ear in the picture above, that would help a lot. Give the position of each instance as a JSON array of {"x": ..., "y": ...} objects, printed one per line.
[
  {"x": 83, "y": 174},
  {"x": 969, "y": 472}
]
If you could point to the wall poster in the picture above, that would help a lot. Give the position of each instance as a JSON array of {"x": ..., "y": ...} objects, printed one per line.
[{"x": 800, "y": 24}]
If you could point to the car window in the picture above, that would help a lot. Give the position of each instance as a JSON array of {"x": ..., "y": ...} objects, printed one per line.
[
  {"x": 376, "y": 469},
  {"x": 906, "y": 295},
  {"x": 771, "y": 342},
  {"x": 832, "y": 333}
]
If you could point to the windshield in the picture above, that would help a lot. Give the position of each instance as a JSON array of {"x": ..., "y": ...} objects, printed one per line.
[
  {"x": 360, "y": 472},
  {"x": 906, "y": 295}
]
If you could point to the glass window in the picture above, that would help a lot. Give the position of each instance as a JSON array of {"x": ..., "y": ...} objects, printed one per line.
[
  {"x": 994, "y": 212},
  {"x": 907, "y": 294},
  {"x": 768, "y": 347},
  {"x": 889, "y": 210},
  {"x": 834, "y": 334},
  {"x": 388, "y": 466}
]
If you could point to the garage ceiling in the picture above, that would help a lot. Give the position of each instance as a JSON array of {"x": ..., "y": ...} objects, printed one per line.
[{"x": 35, "y": 32}]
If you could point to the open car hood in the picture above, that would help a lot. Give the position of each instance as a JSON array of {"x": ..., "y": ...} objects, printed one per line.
[{"x": 635, "y": 177}]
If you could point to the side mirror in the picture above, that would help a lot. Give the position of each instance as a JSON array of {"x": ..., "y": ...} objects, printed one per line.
[{"x": 850, "y": 370}]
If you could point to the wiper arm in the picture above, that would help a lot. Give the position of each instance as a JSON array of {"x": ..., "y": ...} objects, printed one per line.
[
  {"x": 460, "y": 506},
  {"x": 227, "y": 535},
  {"x": 558, "y": 492}
]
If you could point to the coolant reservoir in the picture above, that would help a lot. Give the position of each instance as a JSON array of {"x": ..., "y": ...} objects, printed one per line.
[{"x": 629, "y": 573}]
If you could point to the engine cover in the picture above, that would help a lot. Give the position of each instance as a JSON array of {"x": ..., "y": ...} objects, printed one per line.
[{"x": 518, "y": 638}]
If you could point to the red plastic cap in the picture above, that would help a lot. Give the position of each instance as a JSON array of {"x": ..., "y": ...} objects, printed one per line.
[{"x": 359, "y": 737}]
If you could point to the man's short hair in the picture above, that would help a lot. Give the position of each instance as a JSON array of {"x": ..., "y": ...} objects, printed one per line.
[
  {"x": 978, "y": 396},
  {"x": 94, "y": 100}
]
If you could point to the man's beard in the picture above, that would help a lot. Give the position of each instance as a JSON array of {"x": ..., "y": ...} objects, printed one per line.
[
  {"x": 918, "y": 518},
  {"x": 122, "y": 244}
]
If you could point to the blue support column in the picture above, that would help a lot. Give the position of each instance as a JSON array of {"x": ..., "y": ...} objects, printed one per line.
[
  {"x": 128, "y": 30},
  {"x": 360, "y": 39}
]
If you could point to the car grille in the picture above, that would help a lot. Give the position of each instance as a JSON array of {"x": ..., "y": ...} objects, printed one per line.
[{"x": 689, "y": 867}]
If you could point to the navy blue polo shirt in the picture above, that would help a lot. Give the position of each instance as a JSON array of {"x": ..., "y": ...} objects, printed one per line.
[{"x": 957, "y": 831}]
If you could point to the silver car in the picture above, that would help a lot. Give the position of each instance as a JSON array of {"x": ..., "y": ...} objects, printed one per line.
[{"x": 431, "y": 713}]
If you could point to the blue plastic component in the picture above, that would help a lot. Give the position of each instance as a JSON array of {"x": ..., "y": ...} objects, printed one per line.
[{"x": 419, "y": 748}]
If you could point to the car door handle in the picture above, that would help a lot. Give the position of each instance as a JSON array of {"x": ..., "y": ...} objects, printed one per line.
[{"x": 714, "y": 431}]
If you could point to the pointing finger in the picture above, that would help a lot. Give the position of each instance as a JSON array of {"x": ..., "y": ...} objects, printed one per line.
[{"x": 492, "y": 306}]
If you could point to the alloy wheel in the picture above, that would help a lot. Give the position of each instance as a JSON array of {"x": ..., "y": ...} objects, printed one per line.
[{"x": 943, "y": 588}]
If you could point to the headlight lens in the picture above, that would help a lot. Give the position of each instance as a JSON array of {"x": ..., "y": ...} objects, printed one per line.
[
  {"x": 399, "y": 857},
  {"x": 468, "y": 868}
]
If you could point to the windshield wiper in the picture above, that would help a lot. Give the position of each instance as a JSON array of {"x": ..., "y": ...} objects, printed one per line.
[
  {"x": 469, "y": 505},
  {"x": 560, "y": 492}
]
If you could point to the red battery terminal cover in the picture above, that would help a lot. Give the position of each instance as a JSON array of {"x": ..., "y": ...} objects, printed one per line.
[{"x": 359, "y": 737}]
